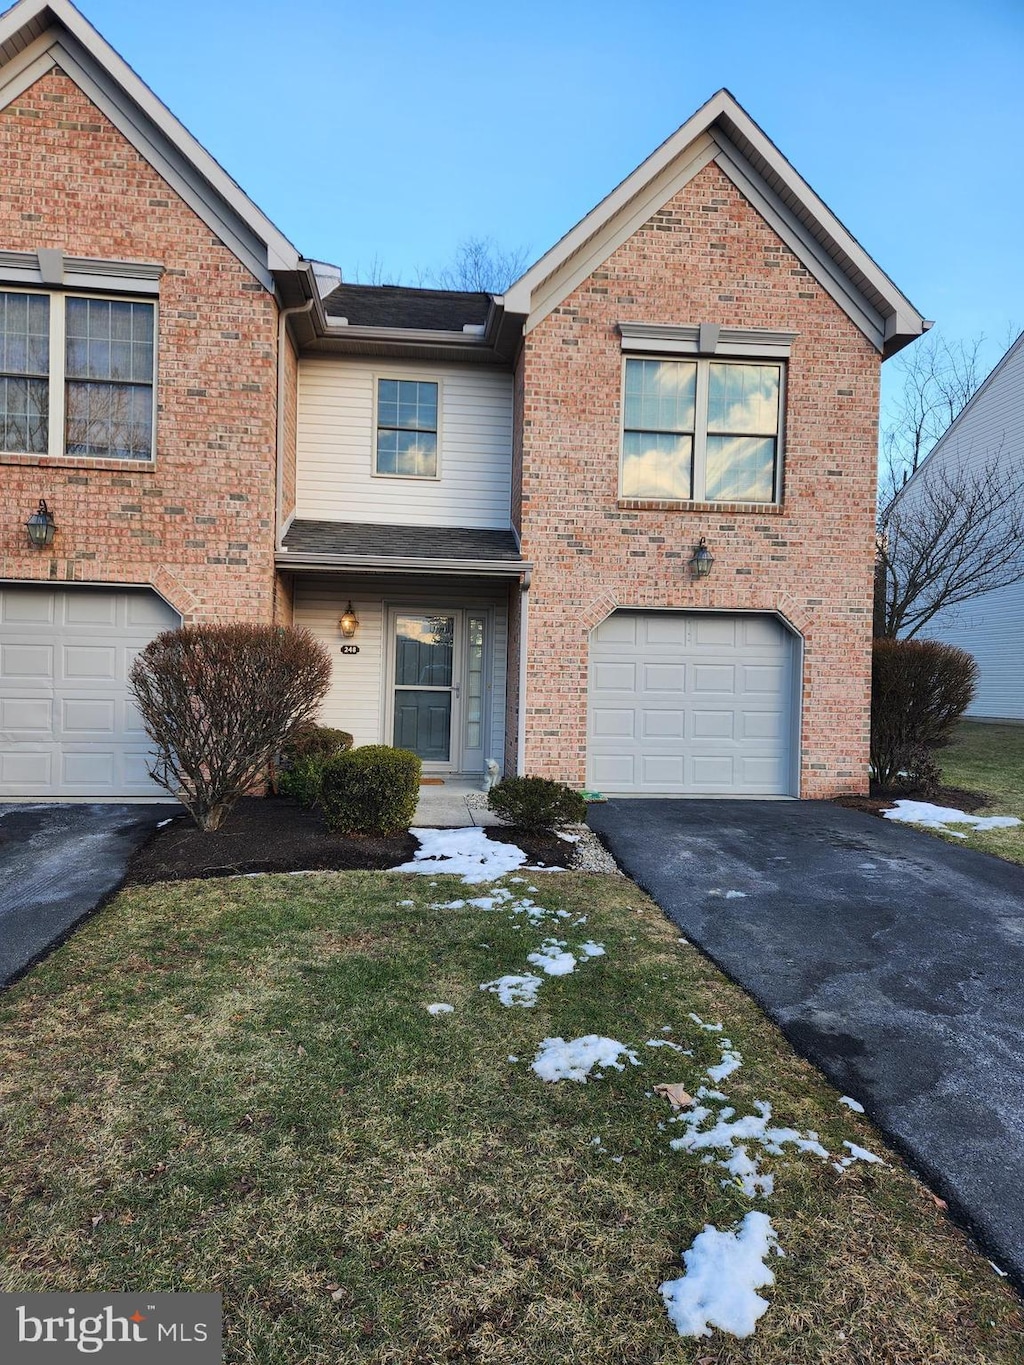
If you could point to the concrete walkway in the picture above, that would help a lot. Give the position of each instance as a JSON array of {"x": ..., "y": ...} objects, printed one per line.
[
  {"x": 455, "y": 803},
  {"x": 59, "y": 862},
  {"x": 892, "y": 960}
]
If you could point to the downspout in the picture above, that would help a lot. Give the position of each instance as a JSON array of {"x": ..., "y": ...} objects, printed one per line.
[
  {"x": 282, "y": 327},
  {"x": 524, "y": 622}
]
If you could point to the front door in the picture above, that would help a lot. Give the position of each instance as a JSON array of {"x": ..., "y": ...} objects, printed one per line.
[
  {"x": 440, "y": 686},
  {"x": 427, "y": 649}
]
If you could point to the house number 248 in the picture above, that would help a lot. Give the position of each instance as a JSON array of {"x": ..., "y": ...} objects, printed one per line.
[{"x": 350, "y": 649}]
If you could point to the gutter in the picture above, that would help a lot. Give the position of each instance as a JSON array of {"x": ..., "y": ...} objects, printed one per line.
[{"x": 489, "y": 568}]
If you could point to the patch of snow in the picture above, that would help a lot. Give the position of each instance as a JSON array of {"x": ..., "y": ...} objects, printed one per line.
[
  {"x": 711, "y": 1028},
  {"x": 466, "y": 852},
  {"x": 1002, "y": 1273},
  {"x": 558, "y": 1060},
  {"x": 858, "y": 1154},
  {"x": 938, "y": 817},
  {"x": 591, "y": 949},
  {"x": 723, "y": 1271},
  {"x": 515, "y": 990},
  {"x": 551, "y": 958},
  {"x": 728, "y": 895},
  {"x": 512, "y": 1059},
  {"x": 569, "y": 838},
  {"x": 439, "y": 1008},
  {"x": 401, "y": 903},
  {"x": 161, "y": 823},
  {"x": 730, "y": 1136},
  {"x": 667, "y": 1042},
  {"x": 851, "y": 1104}
]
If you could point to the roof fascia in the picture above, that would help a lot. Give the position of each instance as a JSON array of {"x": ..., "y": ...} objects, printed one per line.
[
  {"x": 489, "y": 568},
  {"x": 77, "y": 48}
]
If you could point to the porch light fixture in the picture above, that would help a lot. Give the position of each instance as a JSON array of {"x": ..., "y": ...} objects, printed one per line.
[
  {"x": 701, "y": 560},
  {"x": 349, "y": 623},
  {"x": 40, "y": 527}
]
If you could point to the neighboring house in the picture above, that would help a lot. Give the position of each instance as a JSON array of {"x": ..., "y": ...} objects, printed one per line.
[
  {"x": 508, "y": 490},
  {"x": 988, "y": 433}
]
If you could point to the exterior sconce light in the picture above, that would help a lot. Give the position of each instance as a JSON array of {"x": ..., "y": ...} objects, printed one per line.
[
  {"x": 349, "y": 623},
  {"x": 40, "y": 527},
  {"x": 701, "y": 560}
]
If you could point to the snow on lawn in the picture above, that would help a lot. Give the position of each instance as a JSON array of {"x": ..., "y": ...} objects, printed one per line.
[
  {"x": 558, "y": 1060},
  {"x": 732, "y": 1136},
  {"x": 515, "y": 990},
  {"x": 938, "y": 817},
  {"x": 440, "y": 1008},
  {"x": 723, "y": 1271},
  {"x": 465, "y": 853},
  {"x": 551, "y": 957},
  {"x": 851, "y": 1104}
]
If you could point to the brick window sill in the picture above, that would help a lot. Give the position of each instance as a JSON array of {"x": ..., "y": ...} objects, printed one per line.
[
  {"x": 760, "y": 509},
  {"x": 74, "y": 462}
]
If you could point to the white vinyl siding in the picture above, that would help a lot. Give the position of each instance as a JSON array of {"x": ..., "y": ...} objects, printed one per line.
[
  {"x": 990, "y": 627},
  {"x": 337, "y": 447},
  {"x": 358, "y": 700}
]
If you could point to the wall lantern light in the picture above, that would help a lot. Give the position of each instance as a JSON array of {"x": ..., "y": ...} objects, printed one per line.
[
  {"x": 349, "y": 623},
  {"x": 40, "y": 527},
  {"x": 701, "y": 560}
]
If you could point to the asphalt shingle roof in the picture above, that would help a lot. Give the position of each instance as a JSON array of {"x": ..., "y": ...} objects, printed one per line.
[
  {"x": 391, "y": 305},
  {"x": 333, "y": 538}
]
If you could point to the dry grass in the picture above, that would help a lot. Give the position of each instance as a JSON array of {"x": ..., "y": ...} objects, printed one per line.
[{"x": 240, "y": 1082}]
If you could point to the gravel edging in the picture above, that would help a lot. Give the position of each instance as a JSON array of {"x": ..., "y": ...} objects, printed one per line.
[{"x": 588, "y": 852}]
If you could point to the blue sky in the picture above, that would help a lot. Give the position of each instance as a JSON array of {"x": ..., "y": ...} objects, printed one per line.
[{"x": 390, "y": 131}]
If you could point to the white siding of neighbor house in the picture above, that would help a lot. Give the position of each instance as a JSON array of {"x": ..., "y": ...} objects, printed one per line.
[
  {"x": 991, "y": 627},
  {"x": 357, "y": 700},
  {"x": 336, "y": 445}
]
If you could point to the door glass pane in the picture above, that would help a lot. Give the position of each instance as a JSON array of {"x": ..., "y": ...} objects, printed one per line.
[
  {"x": 424, "y": 651},
  {"x": 423, "y": 723},
  {"x": 474, "y": 682}
]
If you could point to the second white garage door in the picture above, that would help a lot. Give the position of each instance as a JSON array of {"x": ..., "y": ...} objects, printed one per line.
[
  {"x": 67, "y": 724},
  {"x": 693, "y": 703}
]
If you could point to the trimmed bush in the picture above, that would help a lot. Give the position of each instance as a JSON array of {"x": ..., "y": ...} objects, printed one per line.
[
  {"x": 219, "y": 702},
  {"x": 303, "y": 760},
  {"x": 370, "y": 790},
  {"x": 535, "y": 803},
  {"x": 919, "y": 690}
]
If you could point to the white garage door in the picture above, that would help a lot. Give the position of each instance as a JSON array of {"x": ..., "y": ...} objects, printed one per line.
[
  {"x": 67, "y": 725},
  {"x": 692, "y": 703}
]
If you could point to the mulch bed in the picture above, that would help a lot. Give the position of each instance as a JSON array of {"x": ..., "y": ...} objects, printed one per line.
[
  {"x": 881, "y": 800},
  {"x": 276, "y": 834}
]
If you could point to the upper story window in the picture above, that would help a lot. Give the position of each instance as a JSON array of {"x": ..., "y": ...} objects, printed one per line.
[
  {"x": 702, "y": 430},
  {"x": 76, "y": 376},
  {"x": 407, "y": 428}
]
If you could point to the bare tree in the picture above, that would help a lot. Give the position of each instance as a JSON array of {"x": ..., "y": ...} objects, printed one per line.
[
  {"x": 939, "y": 379},
  {"x": 955, "y": 534},
  {"x": 482, "y": 266}
]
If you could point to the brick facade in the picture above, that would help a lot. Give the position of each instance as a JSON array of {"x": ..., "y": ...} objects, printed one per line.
[
  {"x": 197, "y": 523},
  {"x": 706, "y": 256}
]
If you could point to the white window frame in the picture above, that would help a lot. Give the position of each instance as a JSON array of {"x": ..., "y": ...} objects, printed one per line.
[
  {"x": 706, "y": 344},
  {"x": 57, "y": 378},
  {"x": 414, "y": 378}
]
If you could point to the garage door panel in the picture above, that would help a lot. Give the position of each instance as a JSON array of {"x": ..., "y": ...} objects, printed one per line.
[
  {"x": 714, "y": 678},
  {"x": 68, "y": 725},
  {"x": 663, "y": 723},
  {"x": 714, "y": 724},
  {"x": 664, "y": 678},
  {"x": 684, "y": 702}
]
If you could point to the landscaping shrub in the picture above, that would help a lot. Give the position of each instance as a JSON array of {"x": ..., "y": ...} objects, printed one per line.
[
  {"x": 219, "y": 702},
  {"x": 919, "y": 690},
  {"x": 370, "y": 790},
  {"x": 535, "y": 803},
  {"x": 303, "y": 760}
]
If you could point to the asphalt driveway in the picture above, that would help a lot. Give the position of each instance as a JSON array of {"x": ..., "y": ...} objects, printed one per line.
[
  {"x": 892, "y": 960},
  {"x": 58, "y": 862}
]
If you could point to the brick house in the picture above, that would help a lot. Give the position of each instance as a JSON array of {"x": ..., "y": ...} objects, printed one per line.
[{"x": 508, "y": 490}]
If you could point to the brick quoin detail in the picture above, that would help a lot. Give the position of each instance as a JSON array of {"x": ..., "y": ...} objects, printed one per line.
[
  {"x": 198, "y": 524},
  {"x": 706, "y": 256}
]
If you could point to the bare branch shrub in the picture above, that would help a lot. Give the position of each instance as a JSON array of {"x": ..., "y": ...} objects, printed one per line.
[
  {"x": 919, "y": 690},
  {"x": 219, "y": 702}
]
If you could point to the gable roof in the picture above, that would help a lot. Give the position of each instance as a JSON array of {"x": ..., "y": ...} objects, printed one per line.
[
  {"x": 38, "y": 35},
  {"x": 723, "y": 132}
]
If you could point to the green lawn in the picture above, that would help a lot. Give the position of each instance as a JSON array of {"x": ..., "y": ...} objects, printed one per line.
[
  {"x": 989, "y": 759},
  {"x": 235, "y": 1085}
]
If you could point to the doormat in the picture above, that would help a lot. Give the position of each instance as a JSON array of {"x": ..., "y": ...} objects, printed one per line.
[{"x": 431, "y": 781}]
